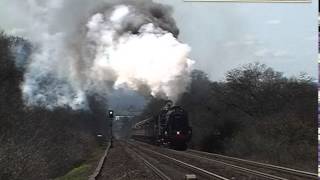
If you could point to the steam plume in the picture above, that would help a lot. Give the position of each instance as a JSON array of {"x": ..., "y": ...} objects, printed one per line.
[{"x": 101, "y": 47}]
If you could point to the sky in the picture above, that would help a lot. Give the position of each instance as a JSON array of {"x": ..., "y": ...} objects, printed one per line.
[{"x": 226, "y": 35}]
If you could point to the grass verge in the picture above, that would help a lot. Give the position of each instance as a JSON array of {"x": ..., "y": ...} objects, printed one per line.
[{"x": 83, "y": 171}]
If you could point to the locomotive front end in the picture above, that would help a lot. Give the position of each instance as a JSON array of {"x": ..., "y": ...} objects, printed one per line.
[{"x": 178, "y": 130}]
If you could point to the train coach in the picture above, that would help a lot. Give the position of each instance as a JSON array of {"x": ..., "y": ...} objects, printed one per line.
[{"x": 169, "y": 128}]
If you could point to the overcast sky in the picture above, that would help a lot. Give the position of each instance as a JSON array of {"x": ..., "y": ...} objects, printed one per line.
[{"x": 226, "y": 35}]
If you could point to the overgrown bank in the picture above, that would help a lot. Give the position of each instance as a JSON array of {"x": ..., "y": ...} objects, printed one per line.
[{"x": 37, "y": 143}]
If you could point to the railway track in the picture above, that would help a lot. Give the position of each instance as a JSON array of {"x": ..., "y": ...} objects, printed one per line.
[
  {"x": 188, "y": 168},
  {"x": 153, "y": 168},
  {"x": 255, "y": 170},
  {"x": 284, "y": 170}
]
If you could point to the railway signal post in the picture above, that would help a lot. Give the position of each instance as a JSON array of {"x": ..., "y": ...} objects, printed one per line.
[{"x": 111, "y": 117}]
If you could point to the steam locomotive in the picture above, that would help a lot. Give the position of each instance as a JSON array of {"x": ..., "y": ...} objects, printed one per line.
[{"x": 169, "y": 128}]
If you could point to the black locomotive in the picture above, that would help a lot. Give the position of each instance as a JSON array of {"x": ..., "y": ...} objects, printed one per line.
[{"x": 169, "y": 128}]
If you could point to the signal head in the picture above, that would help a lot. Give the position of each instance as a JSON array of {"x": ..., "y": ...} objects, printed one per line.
[{"x": 110, "y": 114}]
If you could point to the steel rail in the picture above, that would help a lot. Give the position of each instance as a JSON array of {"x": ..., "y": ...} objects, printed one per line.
[
  {"x": 203, "y": 171},
  {"x": 254, "y": 172},
  {"x": 157, "y": 171},
  {"x": 262, "y": 165}
]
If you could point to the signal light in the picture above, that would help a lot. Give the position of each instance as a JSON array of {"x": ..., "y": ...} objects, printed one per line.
[{"x": 110, "y": 114}]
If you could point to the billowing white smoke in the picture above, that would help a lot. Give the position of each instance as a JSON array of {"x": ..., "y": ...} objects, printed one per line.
[
  {"x": 125, "y": 44},
  {"x": 152, "y": 56}
]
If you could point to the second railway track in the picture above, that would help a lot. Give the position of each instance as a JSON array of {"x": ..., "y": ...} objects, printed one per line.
[
  {"x": 257, "y": 165},
  {"x": 243, "y": 169},
  {"x": 173, "y": 163}
]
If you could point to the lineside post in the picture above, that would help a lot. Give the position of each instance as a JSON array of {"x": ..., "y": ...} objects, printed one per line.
[{"x": 111, "y": 117}]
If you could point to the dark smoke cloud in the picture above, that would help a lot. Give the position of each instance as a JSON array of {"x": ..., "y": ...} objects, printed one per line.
[{"x": 144, "y": 12}]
